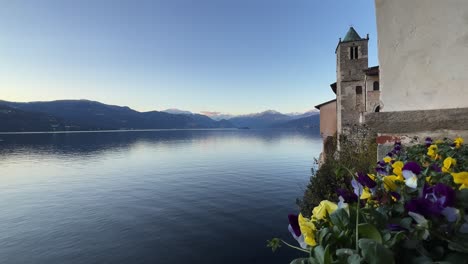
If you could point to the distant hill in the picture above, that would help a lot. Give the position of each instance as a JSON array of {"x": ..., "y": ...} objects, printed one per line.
[
  {"x": 309, "y": 122},
  {"x": 261, "y": 120},
  {"x": 19, "y": 121},
  {"x": 274, "y": 119},
  {"x": 91, "y": 115},
  {"x": 177, "y": 111}
]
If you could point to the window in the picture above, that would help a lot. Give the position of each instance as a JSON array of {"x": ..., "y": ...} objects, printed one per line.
[
  {"x": 353, "y": 52},
  {"x": 376, "y": 86},
  {"x": 377, "y": 109},
  {"x": 358, "y": 89}
]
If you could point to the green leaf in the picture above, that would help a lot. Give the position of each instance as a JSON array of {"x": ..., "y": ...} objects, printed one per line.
[
  {"x": 300, "y": 261},
  {"x": 319, "y": 253},
  {"x": 375, "y": 253},
  {"x": 354, "y": 259},
  {"x": 369, "y": 231},
  {"x": 274, "y": 244},
  {"x": 462, "y": 198},
  {"x": 455, "y": 257},
  {"x": 322, "y": 255},
  {"x": 345, "y": 251},
  {"x": 322, "y": 234},
  {"x": 396, "y": 238},
  {"x": 340, "y": 218},
  {"x": 407, "y": 223}
]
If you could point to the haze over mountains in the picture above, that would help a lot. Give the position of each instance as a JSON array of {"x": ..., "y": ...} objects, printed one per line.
[{"x": 90, "y": 115}]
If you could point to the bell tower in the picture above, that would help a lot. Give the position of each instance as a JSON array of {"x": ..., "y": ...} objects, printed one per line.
[{"x": 351, "y": 61}]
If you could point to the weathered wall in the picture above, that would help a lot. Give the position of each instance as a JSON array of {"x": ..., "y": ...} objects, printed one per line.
[
  {"x": 350, "y": 75},
  {"x": 423, "y": 54},
  {"x": 372, "y": 97},
  {"x": 328, "y": 120},
  {"x": 412, "y": 127}
]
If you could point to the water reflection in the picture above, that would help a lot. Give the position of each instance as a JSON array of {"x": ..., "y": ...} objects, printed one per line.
[{"x": 150, "y": 196}]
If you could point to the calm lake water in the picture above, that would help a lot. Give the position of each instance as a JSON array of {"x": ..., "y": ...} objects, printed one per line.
[{"x": 197, "y": 196}]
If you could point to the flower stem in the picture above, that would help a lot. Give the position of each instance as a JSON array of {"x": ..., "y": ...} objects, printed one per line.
[
  {"x": 298, "y": 248},
  {"x": 357, "y": 213}
]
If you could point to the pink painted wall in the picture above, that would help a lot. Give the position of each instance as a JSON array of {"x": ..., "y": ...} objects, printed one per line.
[{"x": 328, "y": 120}]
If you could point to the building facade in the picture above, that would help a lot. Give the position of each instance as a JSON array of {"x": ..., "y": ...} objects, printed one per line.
[
  {"x": 357, "y": 87},
  {"x": 423, "y": 57}
]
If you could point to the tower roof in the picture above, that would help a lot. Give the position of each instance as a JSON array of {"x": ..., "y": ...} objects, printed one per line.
[{"x": 352, "y": 35}]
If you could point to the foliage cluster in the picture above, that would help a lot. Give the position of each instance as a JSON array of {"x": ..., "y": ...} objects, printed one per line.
[
  {"x": 412, "y": 207},
  {"x": 359, "y": 155}
]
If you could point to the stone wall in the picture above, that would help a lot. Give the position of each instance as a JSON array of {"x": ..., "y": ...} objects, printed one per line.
[
  {"x": 423, "y": 51},
  {"x": 412, "y": 127}
]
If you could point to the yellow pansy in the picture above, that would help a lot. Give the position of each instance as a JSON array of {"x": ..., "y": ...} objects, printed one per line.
[
  {"x": 432, "y": 151},
  {"x": 323, "y": 209},
  {"x": 458, "y": 142},
  {"x": 397, "y": 169},
  {"x": 448, "y": 162},
  {"x": 461, "y": 178},
  {"x": 308, "y": 229},
  {"x": 387, "y": 159},
  {"x": 389, "y": 182},
  {"x": 365, "y": 194}
]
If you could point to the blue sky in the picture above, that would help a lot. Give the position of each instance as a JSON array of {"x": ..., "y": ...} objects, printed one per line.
[{"x": 232, "y": 56}]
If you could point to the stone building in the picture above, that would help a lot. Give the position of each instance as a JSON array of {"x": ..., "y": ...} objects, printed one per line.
[
  {"x": 420, "y": 88},
  {"x": 423, "y": 57},
  {"x": 356, "y": 89}
]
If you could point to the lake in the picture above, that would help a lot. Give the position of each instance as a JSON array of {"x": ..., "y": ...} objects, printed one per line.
[{"x": 179, "y": 196}]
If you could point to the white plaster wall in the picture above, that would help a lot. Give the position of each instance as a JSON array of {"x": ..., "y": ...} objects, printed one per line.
[{"x": 423, "y": 54}]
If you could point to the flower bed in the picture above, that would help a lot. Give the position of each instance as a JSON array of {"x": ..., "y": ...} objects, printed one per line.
[{"x": 412, "y": 209}]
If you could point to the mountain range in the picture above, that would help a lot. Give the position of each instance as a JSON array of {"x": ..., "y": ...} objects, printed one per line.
[{"x": 91, "y": 115}]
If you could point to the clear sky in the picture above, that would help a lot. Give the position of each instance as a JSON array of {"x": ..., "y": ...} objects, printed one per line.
[{"x": 232, "y": 56}]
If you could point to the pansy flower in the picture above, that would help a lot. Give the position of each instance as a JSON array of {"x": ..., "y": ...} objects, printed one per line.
[
  {"x": 324, "y": 209},
  {"x": 448, "y": 162},
  {"x": 458, "y": 142},
  {"x": 410, "y": 172},
  {"x": 295, "y": 230},
  {"x": 390, "y": 182},
  {"x": 398, "y": 169},
  {"x": 348, "y": 196},
  {"x": 436, "y": 200},
  {"x": 308, "y": 229},
  {"x": 428, "y": 141},
  {"x": 432, "y": 151},
  {"x": 366, "y": 180},
  {"x": 461, "y": 178},
  {"x": 387, "y": 159}
]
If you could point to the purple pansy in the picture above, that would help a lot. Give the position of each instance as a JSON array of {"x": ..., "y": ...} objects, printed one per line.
[
  {"x": 395, "y": 227},
  {"x": 423, "y": 207},
  {"x": 365, "y": 180},
  {"x": 436, "y": 200},
  {"x": 428, "y": 141},
  {"x": 435, "y": 168},
  {"x": 349, "y": 197},
  {"x": 294, "y": 223},
  {"x": 381, "y": 163},
  {"x": 413, "y": 167},
  {"x": 395, "y": 195},
  {"x": 381, "y": 170}
]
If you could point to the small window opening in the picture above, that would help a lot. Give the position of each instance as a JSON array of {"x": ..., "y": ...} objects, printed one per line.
[
  {"x": 376, "y": 86},
  {"x": 377, "y": 109},
  {"x": 358, "y": 89},
  {"x": 353, "y": 52}
]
